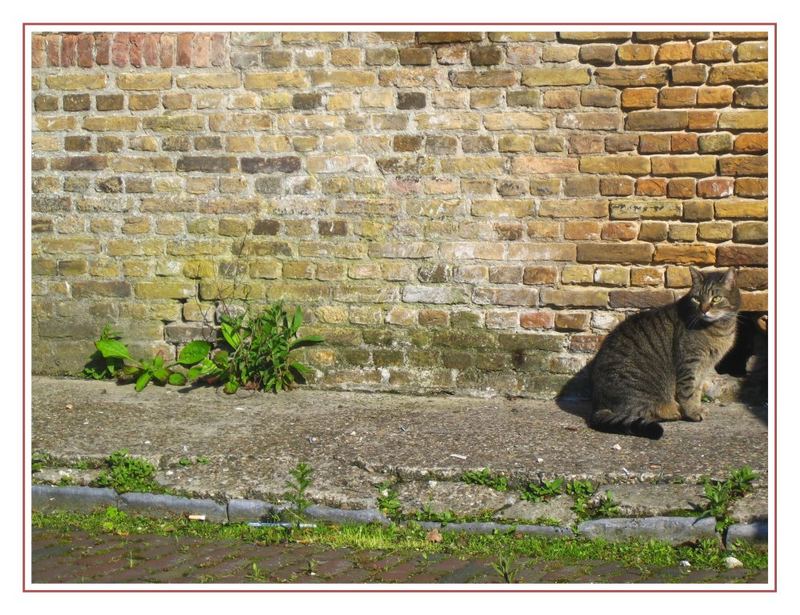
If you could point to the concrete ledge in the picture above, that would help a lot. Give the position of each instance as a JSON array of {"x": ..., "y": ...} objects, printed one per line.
[
  {"x": 78, "y": 499},
  {"x": 156, "y": 505},
  {"x": 749, "y": 532},
  {"x": 670, "y": 529}
]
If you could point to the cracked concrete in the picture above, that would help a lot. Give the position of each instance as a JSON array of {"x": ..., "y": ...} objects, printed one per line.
[{"x": 357, "y": 441}]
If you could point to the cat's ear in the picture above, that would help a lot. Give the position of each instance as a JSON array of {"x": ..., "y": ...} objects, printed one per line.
[
  {"x": 697, "y": 276},
  {"x": 729, "y": 279}
]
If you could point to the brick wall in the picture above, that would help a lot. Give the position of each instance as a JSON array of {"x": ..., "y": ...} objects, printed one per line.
[{"x": 454, "y": 211}]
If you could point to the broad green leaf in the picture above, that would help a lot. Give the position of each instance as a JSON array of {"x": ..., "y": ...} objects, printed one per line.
[
  {"x": 113, "y": 349},
  {"x": 194, "y": 352},
  {"x": 221, "y": 359},
  {"x": 310, "y": 340},
  {"x": 231, "y": 387},
  {"x": 161, "y": 374},
  {"x": 177, "y": 379},
  {"x": 158, "y": 362},
  {"x": 142, "y": 381},
  {"x": 297, "y": 320},
  {"x": 230, "y": 335}
]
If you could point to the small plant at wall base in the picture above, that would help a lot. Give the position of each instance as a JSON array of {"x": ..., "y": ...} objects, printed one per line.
[
  {"x": 257, "y": 351},
  {"x": 254, "y": 352}
]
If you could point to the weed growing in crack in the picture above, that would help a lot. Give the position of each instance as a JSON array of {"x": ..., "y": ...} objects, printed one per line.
[
  {"x": 125, "y": 473},
  {"x": 504, "y": 566},
  {"x": 720, "y": 496},
  {"x": 543, "y": 492},
  {"x": 296, "y": 490},
  {"x": 485, "y": 477}
]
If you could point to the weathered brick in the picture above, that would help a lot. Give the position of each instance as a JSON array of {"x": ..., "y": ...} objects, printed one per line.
[
  {"x": 751, "y": 232},
  {"x": 743, "y": 120},
  {"x": 684, "y": 165},
  {"x": 597, "y": 55},
  {"x": 715, "y": 187},
  {"x": 733, "y": 255},
  {"x": 568, "y": 208},
  {"x": 555, "y": 76},
  {"x": 752, "y": 51},
  {"x": 574, "y": 297},
  {"x": 590, "y": 121},
  {"x": 713, "y": 51},
  {"x": 675, "y": 51},
  {"x": 615, "y": 252},
  {"x": 635, "y": 209},
  {"x": 685, "y": 254},
  {"x": 657, "y": 120},
  {"x": 751, "y": 187},
  {"x": 485, "y": 79},
  {"x": 207, "y": 164},
  {"x": 144, "y": 81},
  {"x": 417, "y": 56},
  {"x": 76, "y": 81},
  {"x": 743, "y": 165},
  {"x": 689, "y": 74},
  {"x": 639, "y": 98},
  {"x": 641, "y": 299},
  {"x": 624, "y": 165},
  {"x": 635, "y": 53},
  {"x": 752, "y": 72},
  {"x": 632, "y": 77},
  {"x": 737, "y": 209}
]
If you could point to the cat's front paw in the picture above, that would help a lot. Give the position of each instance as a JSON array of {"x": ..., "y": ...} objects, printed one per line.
[{"x": 693, "y": 414}]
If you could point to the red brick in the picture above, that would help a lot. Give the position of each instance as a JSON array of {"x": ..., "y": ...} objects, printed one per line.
[
  {"x": 620, "y": 230},
  {"x": 150, "y": 49},
  {"x": 218, "y": 50},
  {"x": 751, "y": 143},
  {"x": 616, "y": 186},
  {"x": 38, "y": 51},
  {"x": 53, "y": 50},
  {"x": 102, "y": 45},
  {"x": 184, "y": 49},
  {"x": 682, "y": 188},
  {"x": 715, "y": 187},
  {"x": 683, "y": 143},
  {"x": 651, "y": 186},
  {"x": 167, "y": 52},
  {"x": 85, "y": 48},
  {"x": 69, "y": 49},
  {"x": 537, "y": 320},
  {"x": 201, "y": 50},
  {"x": 742, "y": 255},
  {"x": 136, "y": 41},
  {"x": 119, "y": 49}
]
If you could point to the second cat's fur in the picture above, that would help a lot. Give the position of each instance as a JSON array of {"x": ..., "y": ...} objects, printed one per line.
[{"x": 652, "y": 366}]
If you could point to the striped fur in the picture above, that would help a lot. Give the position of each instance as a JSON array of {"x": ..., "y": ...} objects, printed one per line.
[{"x": 652, "y": 366}]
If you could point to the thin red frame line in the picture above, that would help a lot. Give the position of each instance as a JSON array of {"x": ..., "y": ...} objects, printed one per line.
[
  {"x": 24, "y": 293},
  {"x": 393, "y": 23},
  {"x": 775, "y": 302},
  {"x": 774, "y": 25}
]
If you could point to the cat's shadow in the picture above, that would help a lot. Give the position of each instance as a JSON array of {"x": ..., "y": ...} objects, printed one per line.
[{"x": 575, "y": 396}]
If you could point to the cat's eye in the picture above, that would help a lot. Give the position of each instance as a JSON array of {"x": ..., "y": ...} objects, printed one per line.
[{"x": 716, "y": 299}]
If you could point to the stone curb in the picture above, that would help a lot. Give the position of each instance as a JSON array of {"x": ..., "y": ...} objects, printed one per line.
[
  {"x": 155, "y": 505},
  {"x": 757, "y": 531},
  {"x": 489, "y": 527},
  {"x": 671, "y": 529}
]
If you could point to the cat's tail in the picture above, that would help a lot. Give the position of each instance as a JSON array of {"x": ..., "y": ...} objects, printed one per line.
[{"x": 611, "y": 422}]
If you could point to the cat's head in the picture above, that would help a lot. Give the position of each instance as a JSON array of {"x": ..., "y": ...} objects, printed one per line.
[{"x": 714, "y": 295}]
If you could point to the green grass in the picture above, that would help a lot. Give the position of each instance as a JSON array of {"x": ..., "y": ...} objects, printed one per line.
[
  {"x": 125, "y": 473},
  {"x": 639, "y": 554}
]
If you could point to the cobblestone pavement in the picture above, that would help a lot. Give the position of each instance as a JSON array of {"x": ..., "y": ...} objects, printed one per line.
[{"x": 78, "y": 557}]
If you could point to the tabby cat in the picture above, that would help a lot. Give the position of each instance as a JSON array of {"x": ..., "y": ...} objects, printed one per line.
[{"x": 652, "y": 366}]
